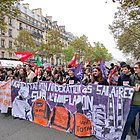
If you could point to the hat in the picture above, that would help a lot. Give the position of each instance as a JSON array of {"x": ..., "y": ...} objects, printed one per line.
[{"x": 72, "y": 69}]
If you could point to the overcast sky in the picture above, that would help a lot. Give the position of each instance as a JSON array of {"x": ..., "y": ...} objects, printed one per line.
[{"x": 88, "y": 17}]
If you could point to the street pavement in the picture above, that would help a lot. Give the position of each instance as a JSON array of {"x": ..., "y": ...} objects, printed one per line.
[{"x": 15, "y": 129}]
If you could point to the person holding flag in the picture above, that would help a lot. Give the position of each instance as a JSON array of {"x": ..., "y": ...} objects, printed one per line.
[
  {"x": 39, "y": 76},
  {"x": 72, "y": 63},
  {"x": 103, "y": 68}
]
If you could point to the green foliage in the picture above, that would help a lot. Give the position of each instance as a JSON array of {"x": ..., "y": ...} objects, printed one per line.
[
  {"x": 126, "y": 27},
  {"x": 68, "y": 54},
  {"x": 7, "y": 7},
  {"x": 86, "y": 51},
  {"x": 45, "y": 50},
  {"x": 53, "y": 45},
  {"x": 80, "y": 44},
  {"x": 54, "y": 41},
  {"x": 24, "y": 42},
  {"x": 98, "y": 50},
  {"x": 127, "y": 2},
  {"x": 129, "y": 42}
]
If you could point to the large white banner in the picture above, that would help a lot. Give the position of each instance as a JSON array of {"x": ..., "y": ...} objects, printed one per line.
[{"x": 5, "y": 96}]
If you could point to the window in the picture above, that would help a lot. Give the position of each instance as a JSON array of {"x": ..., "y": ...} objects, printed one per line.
[
  {"x": 20, "y": 26},
  {"x": 10, "y": 44},
  {"x": 10, "y": 21},
  {"x": 2, "y": 33},
  {"x": 10, "y": 32},
  {"x": 2, "y": 54},
  {"x": 37, "y": 23},
  {"x": 10, "y": 55},
  {"x": 2, "y": 43},
  {"x": 29, "y": 19},
  {"x": 33, "y": 22}
]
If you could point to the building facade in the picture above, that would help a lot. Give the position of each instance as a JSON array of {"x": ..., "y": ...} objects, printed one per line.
[{"x": 36, "y": 24}]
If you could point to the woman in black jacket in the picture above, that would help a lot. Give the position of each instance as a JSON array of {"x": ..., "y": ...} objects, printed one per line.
[
  {"x": 39, "y": 77},
  {"x": 97, "y": 77}
]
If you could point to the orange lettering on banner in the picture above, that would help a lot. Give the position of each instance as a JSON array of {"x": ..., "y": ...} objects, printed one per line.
[
  {"x": 1, "y": 93},
  {"x": 6, "y": 103},
  {"x": 8, "y": 85},
  {"x": 1, "y": 100},
  {"x": 7, "y": 94},
  {"x": 3, "y": 87}
]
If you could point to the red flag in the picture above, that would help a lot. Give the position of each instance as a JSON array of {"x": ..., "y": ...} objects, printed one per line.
[
  {"x": 99, "y": 60},
  {"x": 49, "y": 68},
  {"x": 36, "y": 69},
  {"x": 73, "y": 61},
  {"x": 88, "y": 61},
  {"x": 24, "y": 55}
]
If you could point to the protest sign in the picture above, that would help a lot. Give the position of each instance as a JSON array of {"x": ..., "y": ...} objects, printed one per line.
[
  {"x": 83, "y": 110},
  {"x": 5, "y": 96}
]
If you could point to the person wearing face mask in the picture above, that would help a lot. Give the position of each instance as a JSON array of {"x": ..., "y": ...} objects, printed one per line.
[
  {"x": 135, "y": 105},
  {"x": 97, "y": 77}
]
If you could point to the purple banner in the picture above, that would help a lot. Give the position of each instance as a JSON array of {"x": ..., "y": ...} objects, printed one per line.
[{"x": 82, "y": 110}]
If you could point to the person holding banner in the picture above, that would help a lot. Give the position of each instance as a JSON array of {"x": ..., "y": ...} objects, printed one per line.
[
  {"x": 2, "y": 76},
  {"x": 72, "y": 79},
  {"x": 124, "y": 80},
  {"x": 97, "y": 77},
  {"x": 10, "y": 73},
  {"x": 30, "y": 74},
  {"x": 47, "y": 76},
  {"x": 22, "y": 75},
  {"x": 86, "y": 77},
  {"x": 135, "y": 106},
  {"x": 38, "y": 77}
]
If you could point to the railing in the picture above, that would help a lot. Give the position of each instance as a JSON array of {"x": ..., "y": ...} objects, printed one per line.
[
  {"x": 35, "y": 34},
  {"x": 31, "y": 23}
]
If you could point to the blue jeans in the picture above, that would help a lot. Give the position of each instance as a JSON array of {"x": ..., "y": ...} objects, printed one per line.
[{"x": 134, "y": 109}]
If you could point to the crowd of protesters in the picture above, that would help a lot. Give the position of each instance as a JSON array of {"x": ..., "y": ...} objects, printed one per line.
[{"x": 117, "y": 75}]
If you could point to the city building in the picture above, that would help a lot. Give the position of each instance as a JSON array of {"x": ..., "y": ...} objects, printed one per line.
[{"x": 36, "y": 24}]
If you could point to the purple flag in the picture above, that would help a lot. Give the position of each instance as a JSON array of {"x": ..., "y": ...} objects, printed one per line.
[
  {"x": 78, "y": 72},
  {"x": 103, "y": 68}
]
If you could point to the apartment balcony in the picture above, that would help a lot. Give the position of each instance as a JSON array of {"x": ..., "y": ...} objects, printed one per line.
[
  {"x": 26, "y": 21},
  {"x": 35, "y": 34},
  {"x": 2, "y": 46},
  {"x": 37, "y": 43},
  {"x": 63, "y": 37}
]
